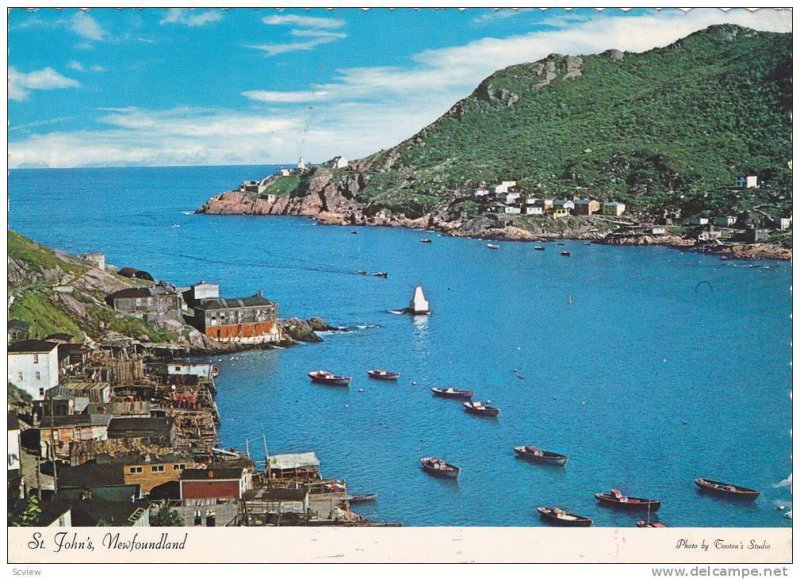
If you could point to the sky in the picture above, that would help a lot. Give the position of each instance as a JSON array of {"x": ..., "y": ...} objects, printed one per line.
[{"x": 157, "y": 87}]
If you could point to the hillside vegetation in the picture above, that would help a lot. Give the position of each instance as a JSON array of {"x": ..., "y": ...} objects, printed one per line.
[{"x": 670, "y": 128}]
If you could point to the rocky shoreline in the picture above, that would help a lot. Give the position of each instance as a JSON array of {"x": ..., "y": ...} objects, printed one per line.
[{"x": 328, "y": 205}]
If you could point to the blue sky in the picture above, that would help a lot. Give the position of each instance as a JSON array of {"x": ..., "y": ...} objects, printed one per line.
[{"x": 108, "y": 87}]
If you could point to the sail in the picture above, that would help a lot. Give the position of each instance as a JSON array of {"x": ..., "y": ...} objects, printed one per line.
[{"x": 419, "y": 305}]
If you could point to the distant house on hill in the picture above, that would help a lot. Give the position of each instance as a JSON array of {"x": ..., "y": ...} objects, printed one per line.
[
  {"x": 747, "y": 182},
  {"x": 586, "y": 206},
  {"x": 564, "y": 204},
  {"x": 503, "y": 187},
  {"x": 613, "y": 208},
  {"x": 508, "y": 198},
  {"x": 725, "y": 221},
  {"x": 337, "y": 162},
  {"x": 697, "y": 220}
]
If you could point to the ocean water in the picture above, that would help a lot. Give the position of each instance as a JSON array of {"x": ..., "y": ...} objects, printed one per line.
[{"x": 648, "y": 380}]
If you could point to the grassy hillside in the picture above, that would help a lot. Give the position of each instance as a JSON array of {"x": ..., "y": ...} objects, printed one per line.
[{"x": 668, "y": 128}]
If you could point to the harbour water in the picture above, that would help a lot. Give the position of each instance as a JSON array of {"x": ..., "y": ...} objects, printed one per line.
[{"x": 647, "y": 380}]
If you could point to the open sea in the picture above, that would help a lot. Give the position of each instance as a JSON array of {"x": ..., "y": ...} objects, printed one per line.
[{"x": 648, "y": 380}]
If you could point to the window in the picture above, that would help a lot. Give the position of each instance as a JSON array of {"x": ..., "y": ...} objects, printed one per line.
[
  {"x": 135, "y": 470},
  {"x": 178, "y": 467},
  {"x": 157, "y": 468},
  {"x": 177, "y": 368},
  {"x": 38, "y": 375},
  {"x": 41, "y": 391},
  {"x": 36, "y": 358}
]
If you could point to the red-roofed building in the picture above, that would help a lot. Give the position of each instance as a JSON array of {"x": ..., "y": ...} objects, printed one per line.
[{"x": 207, "y": 486}]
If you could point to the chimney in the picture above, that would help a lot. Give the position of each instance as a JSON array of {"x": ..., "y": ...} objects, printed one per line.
[{"x": 86, "y": 494}]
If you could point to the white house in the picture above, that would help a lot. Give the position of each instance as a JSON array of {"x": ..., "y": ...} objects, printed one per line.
[
  {"x": 13, "y": 442},
  {"x": 564, "y": 204},
  {"x": 725, "y": 220},
  {"x": 503, "y": 187},
  {"x": 33, "y": 366},
  {"x": 190, "y": 369},
  {"x": 747, "y": 182},
  {"x": 534, "y": 210},
  {"x": 480, "y": 192},
  {"x": 508, "y": 198},
  {"x": 284, "y": 172},
  {"x": 786, "y": 223},
  {"x": 614, "y": 208},
  {"x": 513, "y": 210},
  {"x": 338, "y": 162}
]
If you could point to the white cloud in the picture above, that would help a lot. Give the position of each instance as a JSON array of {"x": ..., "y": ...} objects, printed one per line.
[
  {"x": 310, "y": 44},
  {"x": 75, "y": 65},
  {"x": 84, "y": 25},
  {"x": 304, "y": 21},
  {"x": 267, "y": 96},
  {"x": 191, "y": 17},
  {"x": 20, "y": 84},
  {"x": 488, "y": 17},
  {"x": 363, "y": 109}
]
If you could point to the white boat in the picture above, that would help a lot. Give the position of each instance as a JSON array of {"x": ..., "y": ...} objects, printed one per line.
[
  {"x": 492, "y": 246},
  {"x": 419, "y": 305}
]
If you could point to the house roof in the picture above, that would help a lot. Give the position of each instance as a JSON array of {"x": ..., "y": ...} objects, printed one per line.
[
  {"x": 229, "y": 303},
  {"x": 90, "y": 475},
  {"x": 95, "y": 511},
  {"x": 32, "y": 347},
  {"x": 212, "y": 474},
  {"x": 52, "y": 510},
  {"x": 159, "y": 423},
  {"x": 18, "y": 325},
  {"x": 13, "y": 421},
  {"x": 141, "y": 292},
  {"x": 292, "y": 461},
  {"x": 75, "y": 420}
]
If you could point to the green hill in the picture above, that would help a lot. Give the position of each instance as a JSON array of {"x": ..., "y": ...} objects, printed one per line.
[{"x": 670, "y": 128}]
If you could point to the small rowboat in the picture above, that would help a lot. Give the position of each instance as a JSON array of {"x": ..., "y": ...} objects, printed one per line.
[
  {"x": 329, "y": 378},
  {"x": 382, "y": 274},
  {"x": 650, "y": 525},
  {"x": 425, "y": 240},
  {"x": 535, "y": 454},
  {"x": 617, "y": 499},
  {"x": 539, "y": 247},
  {"x": 492, "y": 246},
  {"x": 565, "y": 253},
  {"x": 452, "y": 393},
  {"x": 563, "y": 518},
  {"x": 439, "y": 468},
  {"x": 481, "y": 409},
  {"x": 727, "y": 489},
  {"x": 383, "y": 375},
  {"x": 364, "y": 498},
  {"x": 214, "y": 371}
]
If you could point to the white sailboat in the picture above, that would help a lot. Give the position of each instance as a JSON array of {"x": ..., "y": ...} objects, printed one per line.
[{"x": 419, "y": 305}]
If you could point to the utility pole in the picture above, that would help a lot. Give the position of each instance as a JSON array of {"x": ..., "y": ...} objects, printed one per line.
[{"x": 53, "y": 447}]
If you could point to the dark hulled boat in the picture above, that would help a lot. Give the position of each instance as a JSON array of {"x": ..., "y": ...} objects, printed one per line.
[
  {"x": 727, "y": 489},
  {"x": 383, "y": 375},
  {"x": 565, "y": 253},
  {"x": 439, "y": 468},
  {"x": 425, "y": 240},
  {"x": 452, "y": 393},
  {"x": 539, "y": 247},
  {"x": 329, "y": 378},
  {"x": 617, "y": 499},
  {"x": 563, "y": 518},
  {"x": 650, "y": 525},
  {"x": 382, "y": 274},
  {"x": 481, "y": 409},
  {"x": 536, "y": 454}
]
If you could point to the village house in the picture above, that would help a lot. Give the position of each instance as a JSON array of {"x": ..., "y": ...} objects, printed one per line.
[
  {"x": 533, "y": 210},
  {"x": 275, "y": 506},
  {"x": 208, "y": 486},
  {"x": 254, "y": 186},
  {"x": 152, "y": 304},
  {"x": 158, "y": 428},
  {"x": 54, "y": 513},
  {"x": 785, "y": 223},
  {"x": 559, "y": 213},
  {"x": 545, "y": 204},
  {"x": 480, "y": 192},
  {"x": 97, "y": 260},
  {"x": 302, "y": 467},
  {"x": 658, "y": 230},
  {"x": 13, "y": 446},
  {"x": 180, "y": 368},
  {"x": 33, "y": 366},
  {"x": 755, "y": 235},
  {"x": 18, "y": 331},
  {"x": 709, "y": 234},
  {"x": 586, "y": 207},
  {"x": 614, "y": 208},
  {"x": 337, "y": 162},
  {"x": 697, "y": 220},
  {"x": 200, "y": 291},
  {"x": 73, "y": 398},
  {"x": 151, "y": 471},
  {"x": 725, "y": 221},
  {"x": 564, "y": 204},
  {"x": 284, "y": 172},
  {"x": 58, "y": 432},
  {"x": 508, "y": 198},
  {"x": 503, "y": 187},
  {"x": 747, "y": 182},
  {"x": 249, "y": 320}
]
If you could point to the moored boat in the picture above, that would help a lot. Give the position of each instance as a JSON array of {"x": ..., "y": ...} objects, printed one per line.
[
  {"x": 565, "y": 253},
  {"x": 439, "y": 468},
  {"x": 363, "y": 498},
  {"x": 383, "y": 375},
  {"x": 214, "y": 371},
  {"x": 561, "y": 517},
  {"x": 536, "y": 454},
  {"x": 650, "y": 525},
  {"x": 492, "y": 246},
  {"x": 452, "y": 393},
  {"x": 617, "y": 499},
  {"x": 727, "y": 489},
  {"x": 425, "y": 240},
  {"x": 329, "y": 378},
  {"x": 481, "y": 409},
  {"x": 382, "y": 274},
  {"x": 538, "y": 247}
]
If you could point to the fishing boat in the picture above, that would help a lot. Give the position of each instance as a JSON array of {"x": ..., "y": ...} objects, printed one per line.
[
  {"x": 538, "y": 247},
  {"x": 565, "y": 253},
  {"x": 481, "y": 409},
  {"x": 560, "y": 517},
  {"x": 492, "y": 246},
  {"x": 214, "y": 371},
  {"x": 727, "y": 489},
  {"x": 536, "y": 454},
  {"x": 439, "y": 468},
  {"x": 617, "y": 499},
  {"x": 425, "y": 240},
  {"x": 329, "y": 378},
  {"x": 383, "y": 375},
  {"x": 363, "y": 498},
  {"x": 650, "y": 525},
  {"x": 382, "y": 274},
  {"x": 362, "y": 272},
  {"x": 452, "y": 393}
]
